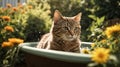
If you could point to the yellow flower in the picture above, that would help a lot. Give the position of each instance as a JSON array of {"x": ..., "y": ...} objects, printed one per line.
[
  {"x": 20, "y": 5},
  {"x": 6, "y": 18},
  {"x": 9, "y": 28},
  {"x": 113, "y": 30},
  {"x": 15, "y": 9},
  {"x": 7, "y": 44},
  {"x": 9, "y": 5},
  {"x": 4, "y": 9},
  {"x": 11, "y": 12},
  {"x": 23, "y": 11},
  {"x": 100, "y": 55},
  {"x": 15, "y": 40},
  {"x": 93, "y": 45},
  {"x": 30, "y": 6},
  {"x": 85, "y": 51}
]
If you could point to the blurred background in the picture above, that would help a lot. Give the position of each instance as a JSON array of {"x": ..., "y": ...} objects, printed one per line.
[{"x": 96, "y": 15}]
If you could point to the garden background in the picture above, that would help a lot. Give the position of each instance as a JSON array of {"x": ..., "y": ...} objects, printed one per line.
[{"x": 29, "y": 21}]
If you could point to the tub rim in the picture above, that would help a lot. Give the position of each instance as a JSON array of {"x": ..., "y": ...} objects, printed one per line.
[{"x": 57, "y": 55}]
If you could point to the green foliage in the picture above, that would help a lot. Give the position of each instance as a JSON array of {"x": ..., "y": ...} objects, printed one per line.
[
  {"x": 14, "y": 19},
  {"x": 100, "y": 12},
  {"x": 38, "y": 20},
  {"x": 66, "y": 7},
  {"x": 111, "y": 42},
  {"x": 12, "y": 25},
  {"x": 111, "y": 8},
  {"x": 22, "y": 21},
  {"x": 96, "y": 28},
  {"x": 108, "y": 8}
]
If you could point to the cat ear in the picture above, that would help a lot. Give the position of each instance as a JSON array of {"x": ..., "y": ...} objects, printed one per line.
[
  {"x": 57, "y": 16},
  {"x": 77, "y": 18}
]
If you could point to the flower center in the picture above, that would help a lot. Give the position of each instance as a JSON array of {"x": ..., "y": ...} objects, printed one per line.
[{"x": 101, "y": 55}]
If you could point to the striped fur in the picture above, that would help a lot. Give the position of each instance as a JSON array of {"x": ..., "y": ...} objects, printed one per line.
[{"x": 64, "y": 34}]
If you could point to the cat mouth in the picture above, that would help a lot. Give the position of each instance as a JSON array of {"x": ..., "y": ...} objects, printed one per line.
[{"x": 69, "y": 38}]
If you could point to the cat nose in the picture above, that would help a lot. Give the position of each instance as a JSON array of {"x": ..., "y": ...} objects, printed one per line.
[{"x": 71, "y": 33}]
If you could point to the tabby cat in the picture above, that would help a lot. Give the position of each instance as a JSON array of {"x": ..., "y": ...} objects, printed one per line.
[{"x": 64, "y": 34}]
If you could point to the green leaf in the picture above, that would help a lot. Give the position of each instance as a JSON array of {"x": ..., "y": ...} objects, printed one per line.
[
  {"x": 100, "y": 20},
  {"x": 92, "y": 17},
  {"x": 113, "y": 58}
]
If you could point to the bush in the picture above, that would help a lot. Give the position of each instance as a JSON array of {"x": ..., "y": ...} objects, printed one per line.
[
  {"x": 111, "y": 42},
  {"x": 38, "y": 21},
  {"x": 12, "y": 26},
  {"x": 109, "y": 9},
  {"x": 12, "y": 22},
  {"x": 18, "y": 24}
]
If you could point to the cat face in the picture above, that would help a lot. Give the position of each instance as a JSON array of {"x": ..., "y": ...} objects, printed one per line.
[{"x": 66, "y": 28}]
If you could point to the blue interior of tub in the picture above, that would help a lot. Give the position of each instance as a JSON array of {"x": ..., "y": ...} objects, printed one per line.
[{"x": 30, "y": 47}]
